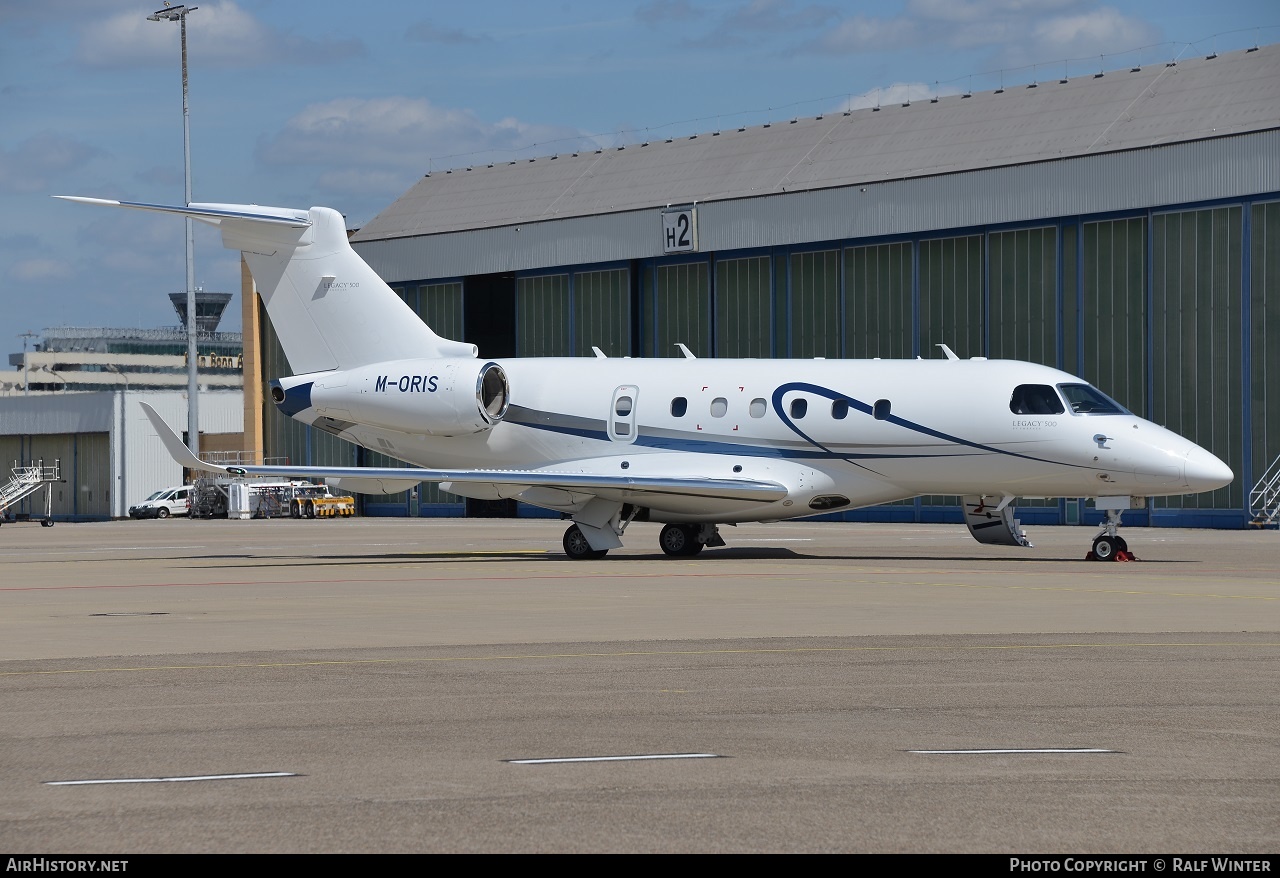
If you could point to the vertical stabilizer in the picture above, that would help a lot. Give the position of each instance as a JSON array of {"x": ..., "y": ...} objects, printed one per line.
[{"x": 329, "y": 309}]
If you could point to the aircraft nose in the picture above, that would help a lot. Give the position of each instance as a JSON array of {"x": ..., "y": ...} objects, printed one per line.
[{"x": 1205, "y": 472}]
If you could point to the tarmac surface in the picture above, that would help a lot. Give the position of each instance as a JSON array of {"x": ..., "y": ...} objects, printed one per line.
[{"x": 460, "y": 686}]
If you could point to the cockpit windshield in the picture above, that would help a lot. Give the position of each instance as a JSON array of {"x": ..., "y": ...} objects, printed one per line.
[{"x": 1085, "y": 399}]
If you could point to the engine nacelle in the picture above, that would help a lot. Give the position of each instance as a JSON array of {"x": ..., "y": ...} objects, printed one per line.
[{"x": 436, "y": 397}]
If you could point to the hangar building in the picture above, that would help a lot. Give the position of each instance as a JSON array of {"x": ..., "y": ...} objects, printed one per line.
[{"x": 1123, "y": 225}]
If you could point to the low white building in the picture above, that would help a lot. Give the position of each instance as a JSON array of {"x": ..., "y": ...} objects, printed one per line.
[{"x": 109, "y": 454}]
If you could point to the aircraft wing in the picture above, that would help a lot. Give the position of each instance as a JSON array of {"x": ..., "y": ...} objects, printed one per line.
[{"x": 724, "y": 489}]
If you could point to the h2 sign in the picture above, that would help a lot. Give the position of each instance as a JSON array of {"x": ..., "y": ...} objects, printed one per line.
[{"x": 680, "y": 230}]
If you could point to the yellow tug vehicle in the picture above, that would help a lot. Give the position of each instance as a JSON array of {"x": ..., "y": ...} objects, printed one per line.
[{"x": 320, "y": 502}]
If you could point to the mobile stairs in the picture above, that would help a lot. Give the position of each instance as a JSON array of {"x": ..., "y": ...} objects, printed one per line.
[
  {"x": 26, "y": 481},
  {"x": 1264, "y": 499}
]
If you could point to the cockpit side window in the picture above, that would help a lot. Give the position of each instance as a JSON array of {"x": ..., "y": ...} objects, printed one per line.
[
  {"x": 1085, "y": 399},
  {"x": 1035, "y": 399}
]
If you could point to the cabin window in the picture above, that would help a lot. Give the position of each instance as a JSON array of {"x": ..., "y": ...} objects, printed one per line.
[
  {"x": 623, "y": 406},
  {"x": 880, "y": 411},
  {"x": 840, "y": 409},
  {"x": 1087, "y": 400},
  {"x": 758, "y": 407},
  {"x": 679, "y": 406},
  {"x": 1035, "y": 399},
  {"x": 719, "y": 406},
  {"x": 829, "y": 501},
  {"x": 798, "y": 408}
]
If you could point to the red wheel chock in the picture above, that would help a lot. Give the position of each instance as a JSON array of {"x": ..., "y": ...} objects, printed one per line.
[{"x": 1122, "y": 555}]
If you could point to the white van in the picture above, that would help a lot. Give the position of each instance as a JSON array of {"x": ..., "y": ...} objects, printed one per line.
[{"x": 162, "y": 504}]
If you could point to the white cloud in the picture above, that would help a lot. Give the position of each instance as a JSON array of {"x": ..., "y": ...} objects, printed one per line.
[
  {"x": 40, "y": 269},
  {"x": 1101, "y": 31},
  {"x": 987, "y": 10},
  {"x": 898, "y": 93},
  {"x": 350, "y": 137},
  {"x": 860, "y": 33},
  {"x": 219, "y": 34},
  {"x": 28, "y": 167},
  {"x": 1015, "y": 32}
]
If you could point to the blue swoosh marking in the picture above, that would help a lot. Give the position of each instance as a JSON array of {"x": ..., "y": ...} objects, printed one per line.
[
  {"x": 541, "y": 421},
  {"x": 892, "y": 419}
]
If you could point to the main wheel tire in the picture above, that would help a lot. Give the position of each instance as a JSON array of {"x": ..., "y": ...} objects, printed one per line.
[
  {"x": 577, "y": 548},
  {"x": 48, "y": 522},
  {"x": 680, "y": 540},
  {"x": 1105, "y": 548},
  {"x": 163, "y": 513},
  {"x": 673, "y": 539}
]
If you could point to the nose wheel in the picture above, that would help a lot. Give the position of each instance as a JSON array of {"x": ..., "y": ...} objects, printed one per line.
[
  {"x": 1107, "y": 548},
  {"x": 1108, "y": 545}
]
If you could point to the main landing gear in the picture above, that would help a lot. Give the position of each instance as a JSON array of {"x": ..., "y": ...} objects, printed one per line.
[
  {"x": 681, "y": 540},
  {"x": 577, "y": 547},
  {"x": 688, "y": 540},
  {"x": 1108, "y": 545}
]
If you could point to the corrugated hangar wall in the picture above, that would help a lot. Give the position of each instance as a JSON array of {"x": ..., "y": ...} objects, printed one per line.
[
  {"x": 1153, "y": 272},
  {"x": 109, "y": 455}
]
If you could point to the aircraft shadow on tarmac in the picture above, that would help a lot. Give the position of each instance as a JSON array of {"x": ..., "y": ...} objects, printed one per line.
[{"x": 748, "y": 553}]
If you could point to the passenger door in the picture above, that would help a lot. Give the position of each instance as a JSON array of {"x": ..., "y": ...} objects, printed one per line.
[{"x": 622, "y": 414}]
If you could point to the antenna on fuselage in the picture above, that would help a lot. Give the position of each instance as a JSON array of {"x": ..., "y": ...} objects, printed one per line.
[{"x": 951, "y": 355}]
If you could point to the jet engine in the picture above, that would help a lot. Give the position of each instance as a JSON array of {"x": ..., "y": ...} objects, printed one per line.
[{"x": 435, "y": 397}]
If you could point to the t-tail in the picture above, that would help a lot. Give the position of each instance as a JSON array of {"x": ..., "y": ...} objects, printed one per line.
[{"x": 329, "y": 309}]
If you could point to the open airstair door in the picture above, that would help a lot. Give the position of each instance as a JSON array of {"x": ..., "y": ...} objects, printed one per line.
[{"x": 991, "y": 521}]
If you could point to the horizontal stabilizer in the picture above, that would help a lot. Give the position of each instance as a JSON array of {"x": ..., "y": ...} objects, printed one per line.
[{"x": 213, "y": 214}]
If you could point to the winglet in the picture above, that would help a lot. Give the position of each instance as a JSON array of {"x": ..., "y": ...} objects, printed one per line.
[{"x": 173, "y": 444}]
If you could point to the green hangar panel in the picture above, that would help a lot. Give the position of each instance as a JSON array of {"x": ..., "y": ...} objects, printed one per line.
[{"x": 1123, "y": 226}]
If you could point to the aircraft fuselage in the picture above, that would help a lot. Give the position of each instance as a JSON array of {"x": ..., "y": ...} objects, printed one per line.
[{"x": 837, "y": 433}]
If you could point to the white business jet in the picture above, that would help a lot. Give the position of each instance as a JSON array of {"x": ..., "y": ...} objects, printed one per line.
[{"x": 692, "y": 443}]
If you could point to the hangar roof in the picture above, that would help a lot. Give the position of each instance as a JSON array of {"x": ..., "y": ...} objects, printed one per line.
[{"x": 1192, "y": 99}]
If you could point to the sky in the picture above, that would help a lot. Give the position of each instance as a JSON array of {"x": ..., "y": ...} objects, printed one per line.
[{"x": 345, "y": 105}]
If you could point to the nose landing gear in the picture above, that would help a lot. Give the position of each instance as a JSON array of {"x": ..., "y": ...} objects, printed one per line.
[{"x": 1108, "y": 545}]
